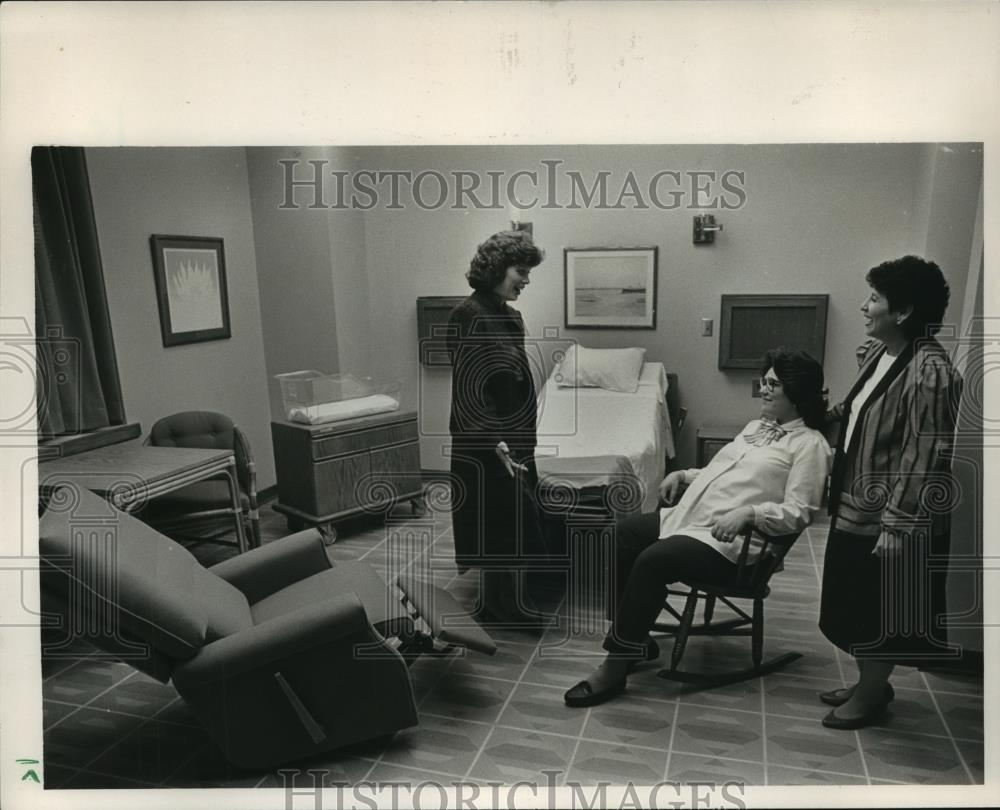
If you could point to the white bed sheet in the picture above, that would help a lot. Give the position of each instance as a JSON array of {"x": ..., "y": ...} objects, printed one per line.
[{"x": 581, "y": 422}]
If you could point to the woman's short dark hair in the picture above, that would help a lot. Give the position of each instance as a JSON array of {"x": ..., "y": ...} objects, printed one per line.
[
  {"x": 496, "y": 254},
  {"x": 913, "y": 282},
  {"x": 802, "y": 381}
]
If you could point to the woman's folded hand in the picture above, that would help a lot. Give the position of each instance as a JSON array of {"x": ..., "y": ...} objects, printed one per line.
[{"x": 732, "y": 524}]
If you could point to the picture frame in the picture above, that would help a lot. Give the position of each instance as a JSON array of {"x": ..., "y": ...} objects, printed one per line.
[
  {"x": 610, "y": 288},
  {"x": 191, "y": 289}
]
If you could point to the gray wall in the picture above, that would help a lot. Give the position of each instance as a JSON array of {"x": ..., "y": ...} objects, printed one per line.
[
  {"x": 816, "y": 218},
  {"x": 189, "y": 192}
]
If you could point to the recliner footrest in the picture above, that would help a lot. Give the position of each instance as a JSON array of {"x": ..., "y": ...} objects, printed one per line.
[{"x": 449, "y": 622}]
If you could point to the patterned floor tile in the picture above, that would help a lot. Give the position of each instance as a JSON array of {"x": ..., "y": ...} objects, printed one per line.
[
  {"x": 807, "y": 744},
  {"x": 426, "y": 673},
  {"x": 792, "y": 594},
  {"x": 819, "y": 658},
  {"x": 208, "y": 768},
  {"x": 632, "y": 720},
  {"x": 437, "y": 744},
  {"x": 468, "y": 698},
  {"x": 743, "y": 696},
  {"x": 911, "y": 758},
  {"x": 84, "y": 681},
  {"x": 913, "y": 712},
  {"x": 414, "y": 782},
  {"x": 53, "y": 712},
  {"x": 53, "y": 666},
  {"x": 686, "y": 768},
  {"x": 511, "y": 755},
  {"x": 956, "y": 684},
  {"x": 333, "y": 768},
  {"x": 719, "y": 733},
  {"x": 85, "y": 735},
  {"x": 795, "y": 696},
  {"x": 562, "y": 666},
  {"x": 617, "y": 764},
  {"x": 644, "y": 683},
  {"x": 972, "y": 753},
  {"x": 55, "y": 777},
  {"x": 152, "y": 752},
  {"x": 780, "y": 775},
  {"x": 137, "y": 694},
  {"x": 963, "y": 714},
  {"x": 789, "y": 626},
  {"x": 507, "y": 663},
  {"x": 541, "y": 708}
]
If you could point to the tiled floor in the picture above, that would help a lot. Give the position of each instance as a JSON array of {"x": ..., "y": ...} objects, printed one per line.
[{"x": 502, "y": 718}]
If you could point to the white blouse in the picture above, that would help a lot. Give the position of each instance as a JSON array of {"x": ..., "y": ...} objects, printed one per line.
[
  {"x": 782, "y": 481},
  {"x": 884, "y": 364}
]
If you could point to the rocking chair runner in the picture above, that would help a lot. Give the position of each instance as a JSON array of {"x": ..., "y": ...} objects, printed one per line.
[{"x": 751, "y": 584}]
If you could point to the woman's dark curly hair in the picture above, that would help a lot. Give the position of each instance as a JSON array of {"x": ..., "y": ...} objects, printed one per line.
[
  {"x": 802, "y": 381},
  {"x": 496, "y": 254},
  {"x": 913, "y": 282}
]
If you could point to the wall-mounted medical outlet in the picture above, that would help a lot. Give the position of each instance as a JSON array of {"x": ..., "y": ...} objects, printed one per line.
[{"x": 706, "y": 327}]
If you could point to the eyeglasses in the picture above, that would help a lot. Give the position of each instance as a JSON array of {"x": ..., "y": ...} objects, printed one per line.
[{"x": 770, "y": 383}]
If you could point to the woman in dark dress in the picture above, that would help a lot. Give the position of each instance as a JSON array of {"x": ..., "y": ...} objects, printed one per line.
[
  {"x": 493, "y": 419},
  {"x": 891, "y": 491}
]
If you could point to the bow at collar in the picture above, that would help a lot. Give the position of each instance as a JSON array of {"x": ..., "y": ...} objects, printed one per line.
[{"x": 767, "y": 431}]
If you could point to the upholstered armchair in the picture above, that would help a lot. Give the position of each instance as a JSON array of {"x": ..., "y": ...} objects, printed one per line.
[
  {"x": 279, "y": 653},
  {"x": 205, "y": 505}
]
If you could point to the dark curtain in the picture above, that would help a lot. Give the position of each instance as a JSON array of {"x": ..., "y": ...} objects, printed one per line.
[{"x": 77, "y": 377}]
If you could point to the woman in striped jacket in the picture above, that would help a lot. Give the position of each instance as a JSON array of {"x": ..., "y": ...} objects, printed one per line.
[{"x": 891, "y": 491}]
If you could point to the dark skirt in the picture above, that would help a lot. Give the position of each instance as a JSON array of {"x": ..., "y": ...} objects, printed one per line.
[
  {"x": 886, "y": 609},
  {"x": 495, "y": 518}
]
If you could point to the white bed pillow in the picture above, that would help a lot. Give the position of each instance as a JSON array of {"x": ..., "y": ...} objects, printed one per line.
[{"x": 612, "y": 369}]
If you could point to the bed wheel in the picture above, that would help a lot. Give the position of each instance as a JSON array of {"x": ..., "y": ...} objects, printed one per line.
[{"x": 328, "y": 533}]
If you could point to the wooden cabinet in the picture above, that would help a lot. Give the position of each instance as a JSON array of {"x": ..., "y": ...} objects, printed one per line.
[
  {"x": 333, "y": 471},
  {"x": 711, "y": 439}
]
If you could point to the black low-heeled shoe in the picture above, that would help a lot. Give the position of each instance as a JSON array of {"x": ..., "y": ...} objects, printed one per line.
[
  {"x": 583, "y": 695},
  {"x": 849, "y": 723},
  {"x": 838, "y": 697}
]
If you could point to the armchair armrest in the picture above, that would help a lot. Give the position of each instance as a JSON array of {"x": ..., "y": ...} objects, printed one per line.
[
  {"x": 266, "y": 570},
  {"x": 314, "y": 625}
]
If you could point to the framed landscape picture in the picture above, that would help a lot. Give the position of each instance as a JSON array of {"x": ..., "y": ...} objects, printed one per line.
[
  {"x": 191, "y": 292},
  {"x": 610, "y": 288}
]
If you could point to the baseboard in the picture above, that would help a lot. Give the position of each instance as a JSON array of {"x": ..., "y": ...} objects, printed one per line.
[{"x": 267, "y": 494}]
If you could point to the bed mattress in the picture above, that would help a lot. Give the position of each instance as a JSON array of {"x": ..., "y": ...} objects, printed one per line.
[{"x": 591, "y": 422}]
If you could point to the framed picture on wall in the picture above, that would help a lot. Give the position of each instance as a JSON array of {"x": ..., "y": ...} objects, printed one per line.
[
  {"x": 191, "y": 292},
  {"x": 610, "y": 288}
]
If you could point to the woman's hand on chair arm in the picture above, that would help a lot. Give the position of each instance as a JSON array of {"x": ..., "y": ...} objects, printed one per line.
[{"x": 671, "y": 486}]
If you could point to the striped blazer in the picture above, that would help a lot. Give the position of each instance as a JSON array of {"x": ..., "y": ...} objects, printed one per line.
[{"x": 896, "y": 472}]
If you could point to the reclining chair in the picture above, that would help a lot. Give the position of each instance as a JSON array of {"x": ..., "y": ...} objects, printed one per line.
[
  {"x": 279, "y": 653},
  {"x": 751, "y": 584}
]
